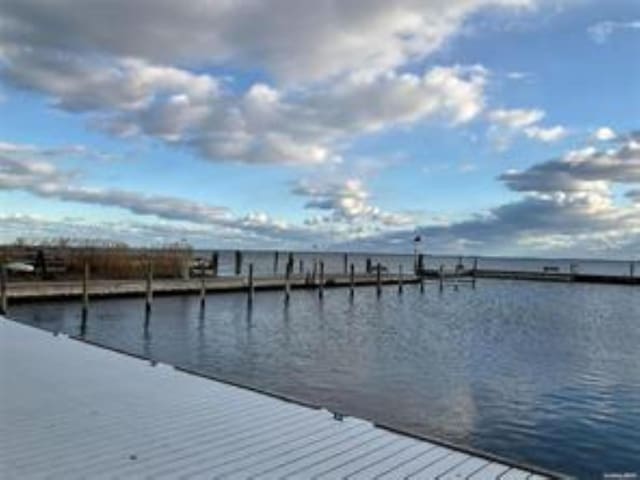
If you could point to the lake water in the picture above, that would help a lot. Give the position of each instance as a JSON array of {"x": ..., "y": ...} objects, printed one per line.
[{"x": 546, "y": 373}]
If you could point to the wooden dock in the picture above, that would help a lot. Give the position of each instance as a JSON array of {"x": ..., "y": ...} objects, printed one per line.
[
  {"x": 537, "y": 276},
  {"x": 64, "y": 289},
  {"x": 71, "y": 410},
  {"x": 29, "y": 290}
]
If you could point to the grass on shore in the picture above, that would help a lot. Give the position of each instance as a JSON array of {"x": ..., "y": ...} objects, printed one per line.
[{"x": 64, "y": 259}]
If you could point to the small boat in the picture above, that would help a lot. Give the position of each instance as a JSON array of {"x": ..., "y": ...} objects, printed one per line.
[{"x": 20, "y": 267}]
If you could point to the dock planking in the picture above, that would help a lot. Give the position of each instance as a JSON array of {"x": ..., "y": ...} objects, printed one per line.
[{"x": 72, "y": 410}]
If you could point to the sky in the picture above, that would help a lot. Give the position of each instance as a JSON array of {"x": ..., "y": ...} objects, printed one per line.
[{"x": 489, "y": 127}]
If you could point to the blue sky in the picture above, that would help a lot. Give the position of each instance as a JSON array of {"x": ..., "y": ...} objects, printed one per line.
[{"x": 488, "y": 126}]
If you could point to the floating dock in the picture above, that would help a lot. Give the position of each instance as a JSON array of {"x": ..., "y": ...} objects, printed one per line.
[{"x": 71, "y": 410}]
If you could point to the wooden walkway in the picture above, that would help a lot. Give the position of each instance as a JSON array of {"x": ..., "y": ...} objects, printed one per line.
[
  {"x": 70, "y": 410},
  {"x": 62, "y": 289}
]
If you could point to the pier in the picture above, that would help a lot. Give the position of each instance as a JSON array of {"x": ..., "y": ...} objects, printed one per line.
[
  {"x": 72, "y": 410},
  {"x": 97, "y": 288},
  {"x": 534, "y": 276}
]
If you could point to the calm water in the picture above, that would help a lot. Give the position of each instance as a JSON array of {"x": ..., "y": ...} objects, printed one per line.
[{"x": 543, "y": 373}]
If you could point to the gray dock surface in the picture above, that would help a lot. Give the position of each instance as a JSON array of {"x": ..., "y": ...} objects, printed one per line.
[{"x": 71, "y": 410}]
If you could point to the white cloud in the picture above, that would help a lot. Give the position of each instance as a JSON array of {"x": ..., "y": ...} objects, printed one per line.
[
  {"x": 601, "y": 31},
  {"x": 30, "y": 169},
  {"x": 75, "y": 84},
  {"x": 44, "y": 179},
  {"x": 335, "y": 70},
  {"x": 267, "y": 125},
  {"x": 547, "y": 135},
  {"x": 604, "y": 134},
  {"x": 507, "y": 123},
  {"x": 347, "y": 205},
  {"x": 568, "y": 207},
  {"x": 261, "y": 125},
  {"x": 81, "y": 230},
  {"x": 290, "y": 39},
  {"x": 516, "y": 118},
  {"x": 519, "y": 75},
  {"x": 581, "y": 171}
]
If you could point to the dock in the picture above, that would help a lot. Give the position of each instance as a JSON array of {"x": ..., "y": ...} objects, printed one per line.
[
  {"x": 72, "y": 289},
  {"x": 70, "y": 410},
  {"x": 536, "y": 276}
]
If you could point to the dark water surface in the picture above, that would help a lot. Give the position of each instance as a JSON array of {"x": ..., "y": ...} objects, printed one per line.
[{"x": 547, "y": 373}]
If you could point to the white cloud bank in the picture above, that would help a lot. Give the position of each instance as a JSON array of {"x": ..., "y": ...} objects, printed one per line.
[
  {"x": 334, "y": 69},
  {"x": 568, "y": 207},
  {"x": 568, "y": 204},
  {"x": 260, "y": 125},
  {"x": 292, "y": 40},
  {"x": 349, "y": 212}
]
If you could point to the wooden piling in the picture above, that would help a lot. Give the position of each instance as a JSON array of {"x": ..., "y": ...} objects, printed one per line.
[
  {"x": 238, "y": 262},
  {"x": 378, "y": 280},
  {"x": 85, "y": 300},
  {"x": 632, "y": 269},
  {"x": 441, "y": 277},
  {"x": 203, "y": 290},
  {"x": 4, "y": 307},
  {"x": 321, "y": 283},
  {"x": 421, "y": 279},
  {"x": 345, "y": 261},
  {"x": 301, "y": 266},
  {"x": 368, "y": 266},
  {"x": 420, "y": 264},
  {"x": 290, "y": 263},
  {"x": 85, "y": 290},
  {"x": 149, "y": 288},
  {"x": 287, "y": 283},
  {"x": 474, "y": 273},
  {"x": 214, "y": 264},
  {"x": 352, "y": 279},
  {"x": 400, "y": 279},
  {"x": 275, "y": 262},
  {"x": 251, "y": 290}
]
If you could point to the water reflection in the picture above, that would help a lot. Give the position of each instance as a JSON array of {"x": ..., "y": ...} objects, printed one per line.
[{"x": 146, "y": 338}]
